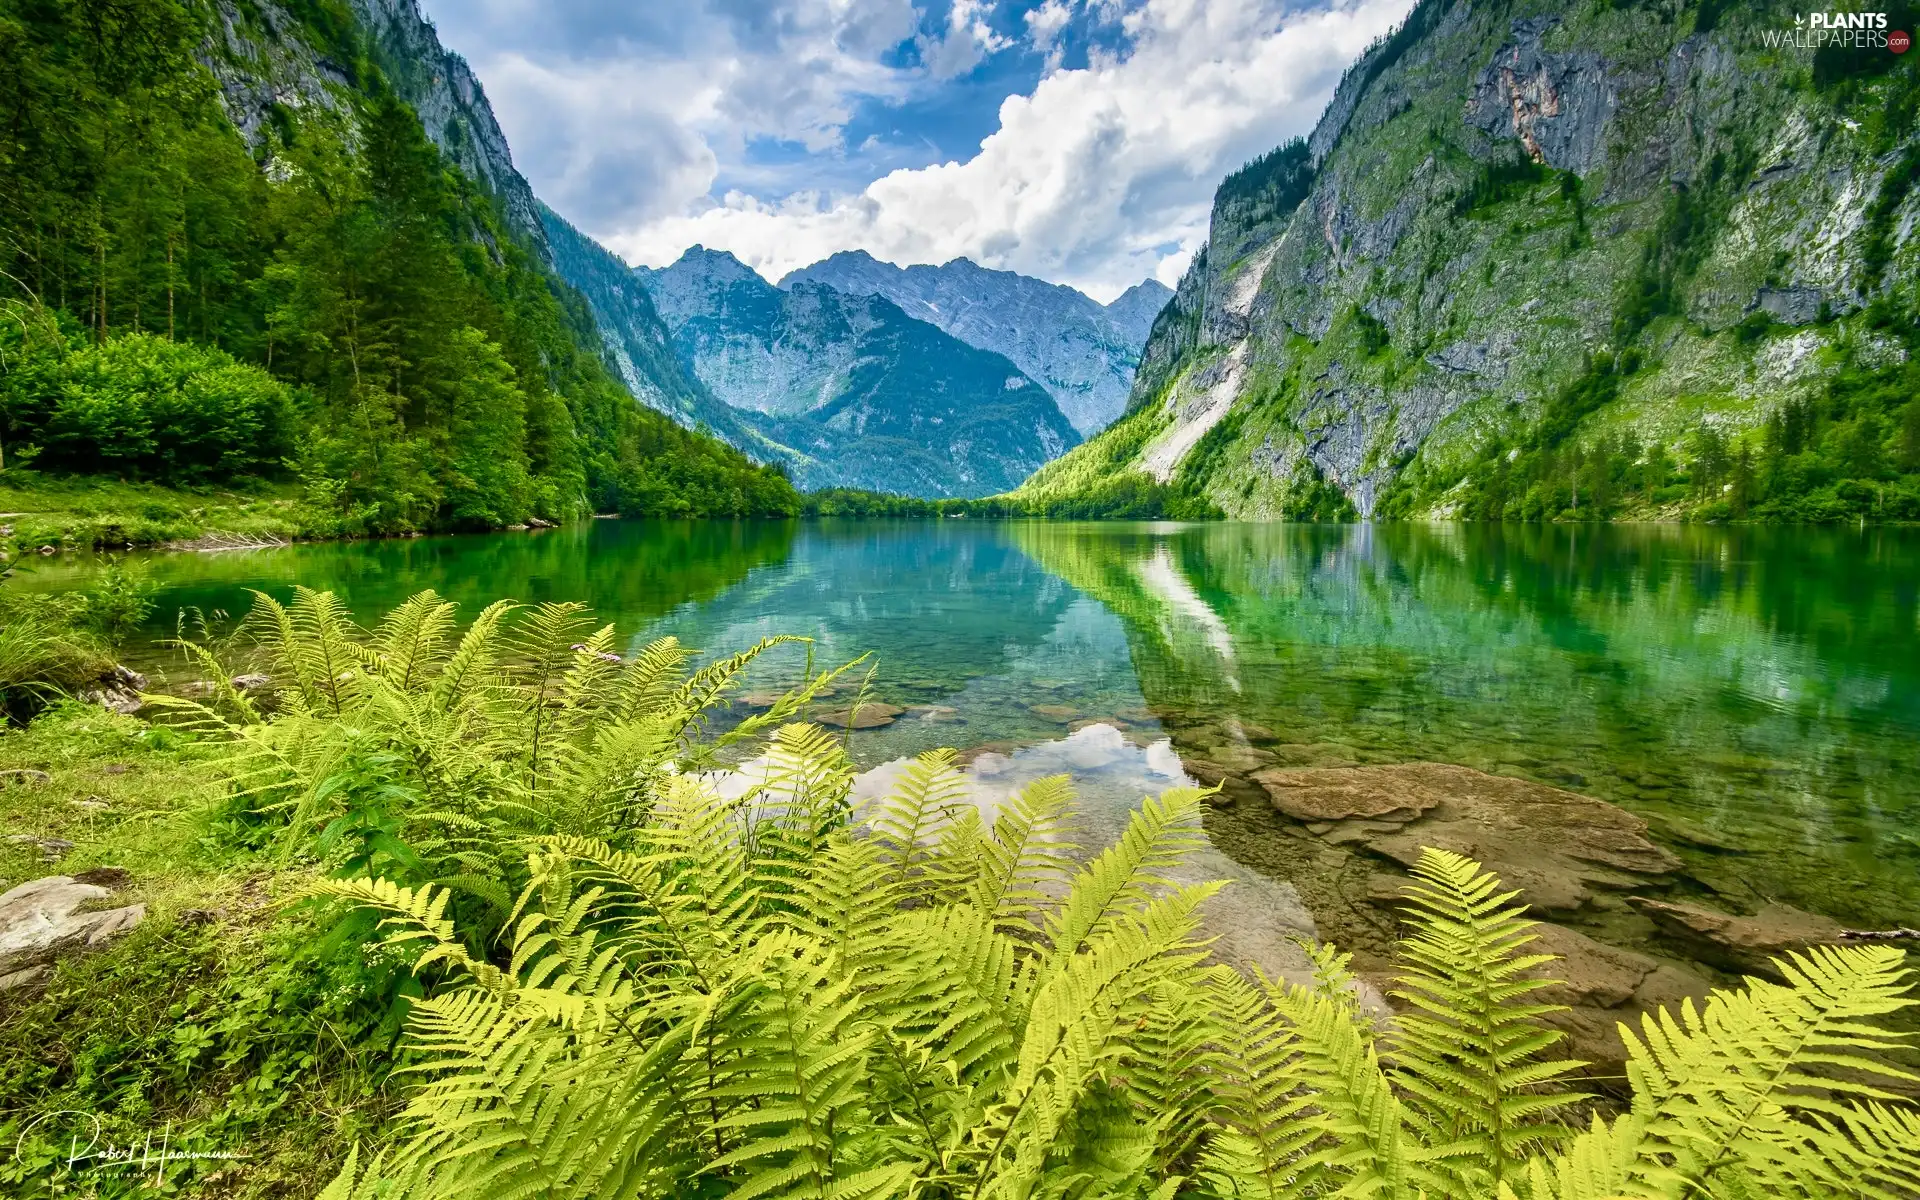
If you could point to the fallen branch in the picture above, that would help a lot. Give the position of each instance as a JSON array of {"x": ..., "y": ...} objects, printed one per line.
[{"x": 1880, "y": 935}]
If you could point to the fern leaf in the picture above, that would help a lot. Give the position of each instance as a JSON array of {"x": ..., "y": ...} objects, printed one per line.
[{"x": 1467, "y": 1051}]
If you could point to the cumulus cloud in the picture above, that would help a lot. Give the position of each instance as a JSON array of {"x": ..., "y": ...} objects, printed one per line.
[
  {"x": 1101, "y": 176},
  {"x": 1097, "y": 176},
  {"x": 622, "y": 114}
]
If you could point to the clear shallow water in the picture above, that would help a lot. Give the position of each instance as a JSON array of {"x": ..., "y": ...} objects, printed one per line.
[{"x": 1754, "y": 693}]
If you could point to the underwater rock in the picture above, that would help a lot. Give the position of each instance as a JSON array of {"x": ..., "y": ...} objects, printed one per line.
[
  {"x": 1060, "y": 714},
  {"x": 871, "y": 715},
  {"x": 1558, "y": 847},
  {"x": 938, "y": 713},
  {"x": 1602, "y": 987},
  {"x": 41, "y": 922},
  {"x": 1316, "y": 754},
  {"x": 1736, "y": 943}
]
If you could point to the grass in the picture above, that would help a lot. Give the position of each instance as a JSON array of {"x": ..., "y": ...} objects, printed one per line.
[
  {"x": 221, "y": 1018},
  {"x": 98, "y": 513}
]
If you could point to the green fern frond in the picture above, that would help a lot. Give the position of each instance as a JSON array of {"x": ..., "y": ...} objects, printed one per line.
[
  {"x": 1028, "y": 855},
  {"x": 410, "y": 644},
  {"x": 1775, "y": 1079},
  {"x": 909, "y": 820},
  {"x": 1160, "y": 834},
  {"x": 1467, "y": 1052},
  {"x": 470, "y": 668}
]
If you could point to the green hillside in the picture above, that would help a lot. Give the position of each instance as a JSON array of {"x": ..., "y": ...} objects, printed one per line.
[{"x": 1551, "y": 261}]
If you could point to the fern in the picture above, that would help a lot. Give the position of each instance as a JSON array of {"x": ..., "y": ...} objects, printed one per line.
[
  {"x": 1467, "y": 1054},
  {"x": 635, "y": 987}
]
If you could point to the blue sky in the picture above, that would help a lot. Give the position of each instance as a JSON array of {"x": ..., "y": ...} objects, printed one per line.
[{"x": 1076, "y": 140}]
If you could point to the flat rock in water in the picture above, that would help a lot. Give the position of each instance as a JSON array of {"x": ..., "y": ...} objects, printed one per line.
[
  {"x": 936, "y": 713},
  {"x": 1556, "y": 846},
  {"x": 1602, "y": 987},
  {"x": 44, "y": 921},
  {"x": 1059, "y": 713},
  {"x": 1339, "y": 793},
  {"x": 1739, "y": 943},
  {"x": 871, "y": 715}
]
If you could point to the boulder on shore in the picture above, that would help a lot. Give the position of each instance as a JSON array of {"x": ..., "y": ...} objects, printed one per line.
[
  {"x": 117, "y": 690},
  {"x": 49, "y": 919}
]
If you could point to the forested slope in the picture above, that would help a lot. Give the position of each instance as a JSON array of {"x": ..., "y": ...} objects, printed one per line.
[{"x": 230, "y": 249}]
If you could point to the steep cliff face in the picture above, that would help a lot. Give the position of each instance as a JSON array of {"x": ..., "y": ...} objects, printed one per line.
[
  {"x": 452, "y": 105},
  {"x": 638, "y": 340},
  {"x": 1081, "y": 351},
  {"x": 858, "y": 393},
  {"x": 1514, "y": 217}
]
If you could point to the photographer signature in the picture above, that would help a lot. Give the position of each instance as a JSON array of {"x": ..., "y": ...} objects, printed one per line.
[{"x": 87, "y": 1149}]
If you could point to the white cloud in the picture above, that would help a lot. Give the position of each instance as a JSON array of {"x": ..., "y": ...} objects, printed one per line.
[
  {"x": 1100, "y": 177},
  {"x": 622, "y": 114}
]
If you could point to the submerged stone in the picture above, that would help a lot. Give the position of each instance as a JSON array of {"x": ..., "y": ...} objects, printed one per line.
[
  {"x": 1557, "y": 847},
  {"x": 871, "y": 715}
]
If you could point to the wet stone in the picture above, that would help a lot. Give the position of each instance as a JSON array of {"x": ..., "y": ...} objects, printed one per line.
[
  {"x": 1739, "y": 943},
  {"x": 871, "y": 715},
  {"x": 1561, "y": 849}
]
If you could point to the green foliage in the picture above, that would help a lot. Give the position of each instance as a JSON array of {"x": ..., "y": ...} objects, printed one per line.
[
  {"x": 46, "y": 651},
  {"x": 435, "y": 750},
  {"x": 754, "y": 996},
  {"x": 142, "y": 407},
  {"x": 1270, "y": 186},
  {"x": 608, "y": 977},
  {"x": 1508, "y": 178}
]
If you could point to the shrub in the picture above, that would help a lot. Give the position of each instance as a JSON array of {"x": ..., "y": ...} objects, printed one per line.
[{"x": 144, "y": 407}]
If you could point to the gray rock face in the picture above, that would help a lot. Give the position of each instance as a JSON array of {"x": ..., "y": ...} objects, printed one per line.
[
  {"x": 1084, "y": 353},
  {"x": 1557, "y": 105},
  {"x": 452, "y": 105},
  {"x": 751, "y": 346},
  {"x": 1790, "y": 305},
  {"x": 53, "y": 918},
  {"x": 259, "y": 57}
]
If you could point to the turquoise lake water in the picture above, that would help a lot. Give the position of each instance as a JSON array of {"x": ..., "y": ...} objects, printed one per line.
[{"x": 1755, "y": 693}]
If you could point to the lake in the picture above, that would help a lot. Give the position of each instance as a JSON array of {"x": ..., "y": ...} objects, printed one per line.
[{"x": 1753, "y": 693}]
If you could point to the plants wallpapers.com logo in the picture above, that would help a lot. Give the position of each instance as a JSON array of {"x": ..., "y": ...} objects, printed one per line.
[{"x": 1847, "y": 30}]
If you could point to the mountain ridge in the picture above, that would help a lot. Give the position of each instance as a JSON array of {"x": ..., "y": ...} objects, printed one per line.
[
  {"x": 1551, "y": 239},
  {"x": 861, "y": 394},
  {"x": 1081, "y": 351}
]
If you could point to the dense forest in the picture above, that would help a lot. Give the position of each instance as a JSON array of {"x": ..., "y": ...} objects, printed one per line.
[{"x": 337, "y": 307}]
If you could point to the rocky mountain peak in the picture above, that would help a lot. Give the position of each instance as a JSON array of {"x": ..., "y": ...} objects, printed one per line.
[{"x": 1081, "y": 351}]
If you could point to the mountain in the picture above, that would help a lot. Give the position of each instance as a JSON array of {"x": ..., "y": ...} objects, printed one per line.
[
  {"x": 1551, "y": 261},
  {"x": 452, "y": 107},
  {"x": 1081, "y": 351},
  {"x": 860, "y": 393},
  {"x": 637, "y": 339}
]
